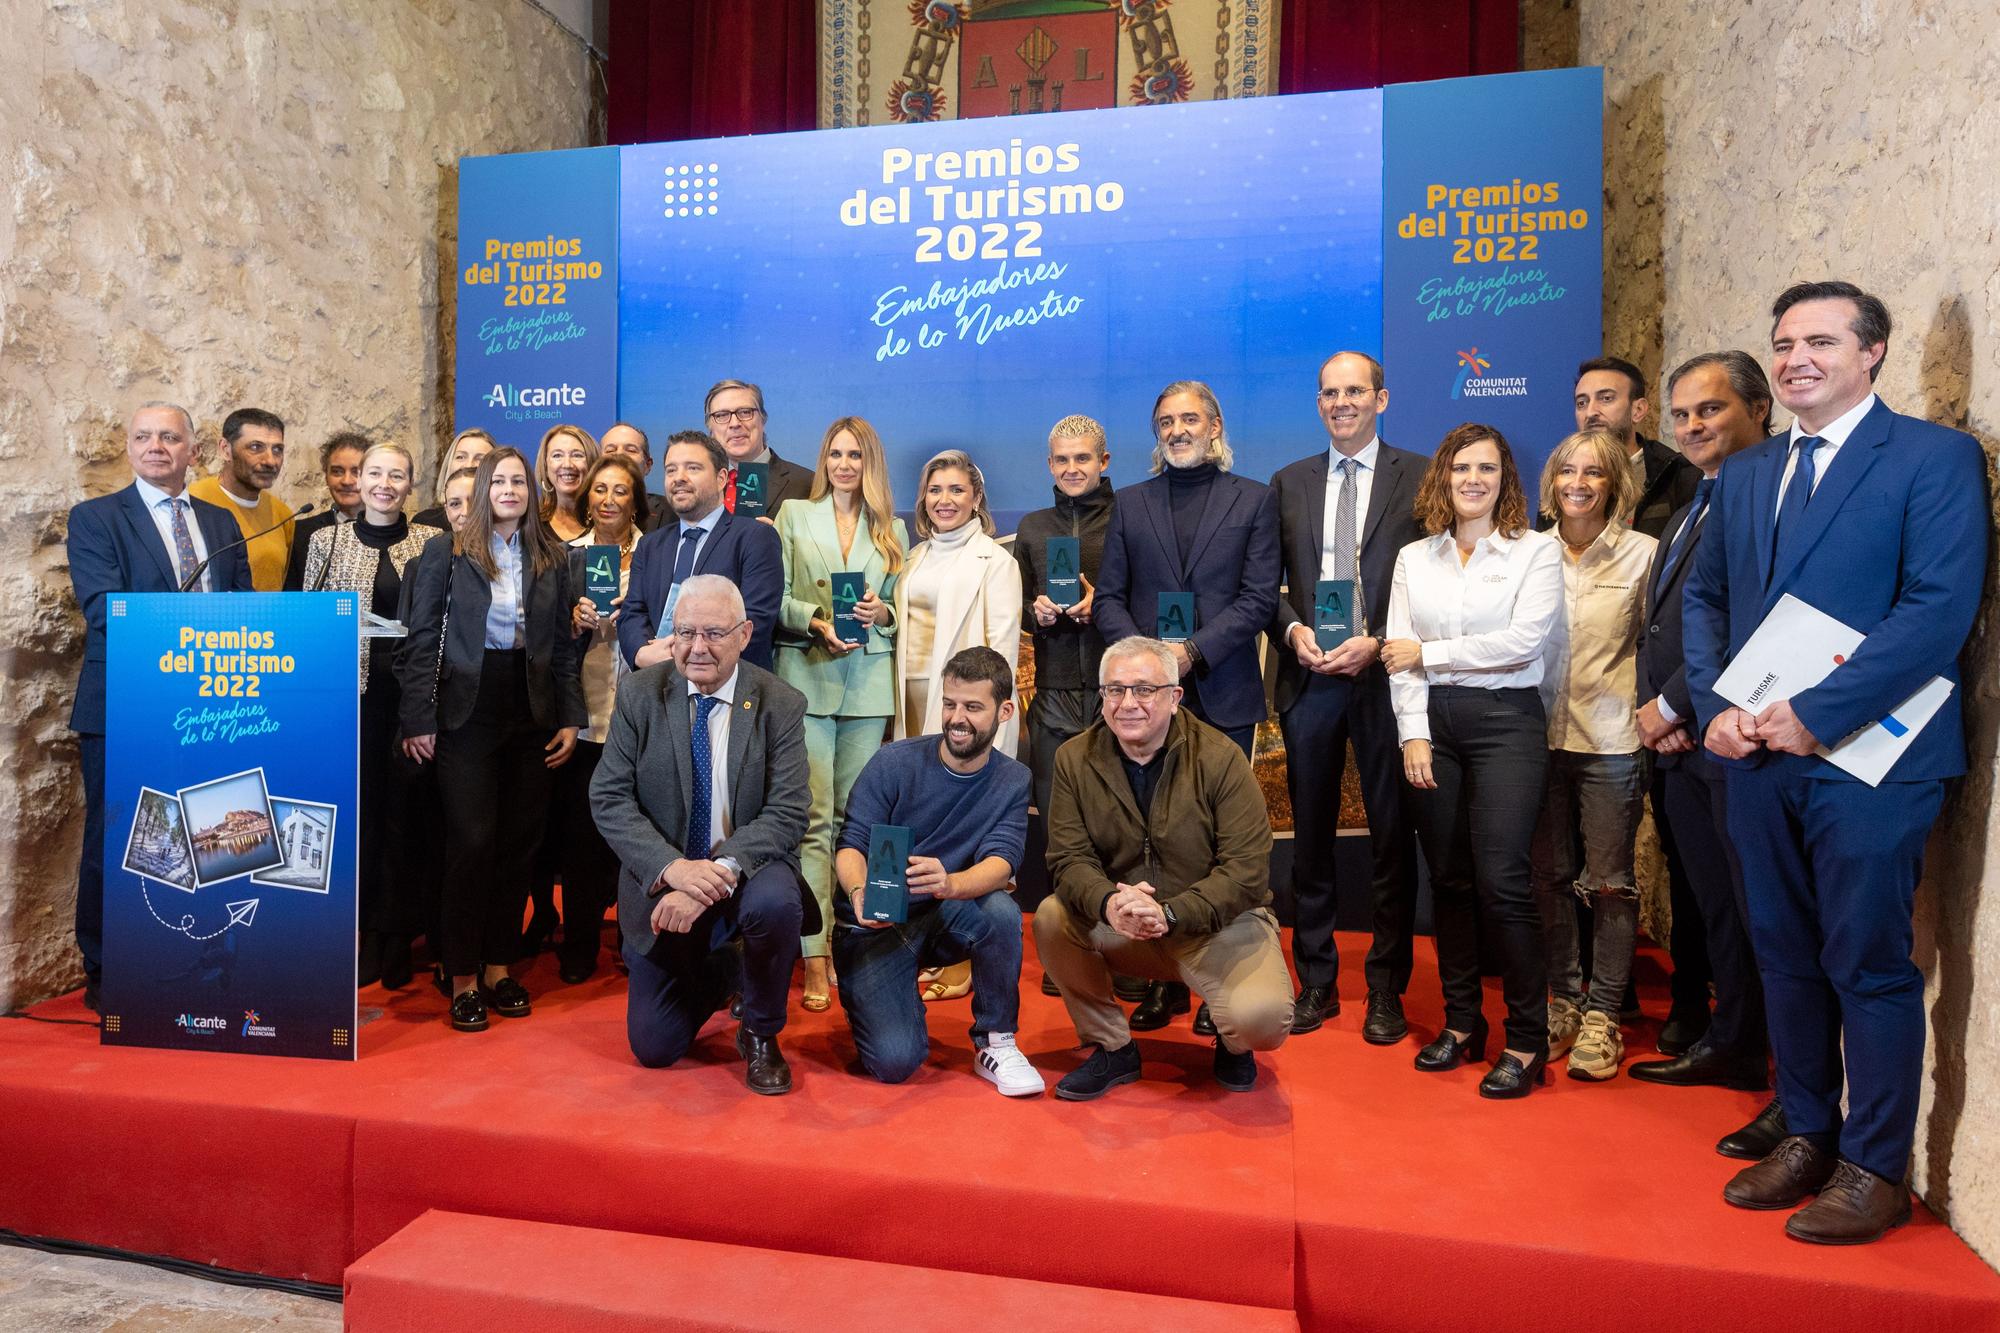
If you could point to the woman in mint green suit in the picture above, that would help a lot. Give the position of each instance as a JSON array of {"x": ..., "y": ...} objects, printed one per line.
[{"x": 847, "y": 524}]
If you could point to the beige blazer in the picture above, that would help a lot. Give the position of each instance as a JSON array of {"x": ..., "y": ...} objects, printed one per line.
[{"x": 985, "y": 612}]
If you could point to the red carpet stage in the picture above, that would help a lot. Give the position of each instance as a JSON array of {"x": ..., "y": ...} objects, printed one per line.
[{"x": 1347, "y": 1188}]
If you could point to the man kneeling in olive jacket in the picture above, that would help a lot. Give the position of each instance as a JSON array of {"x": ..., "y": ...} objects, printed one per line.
[{"x": 1159, "y": 850}]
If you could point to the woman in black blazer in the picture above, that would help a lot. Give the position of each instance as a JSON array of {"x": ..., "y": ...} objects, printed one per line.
[{"x": 491, "y": 691}]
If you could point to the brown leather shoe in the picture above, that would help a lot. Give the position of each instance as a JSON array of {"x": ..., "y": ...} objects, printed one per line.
[
  {"x": 1793, "y": 1170},
  {"x": 1853, "y": 1208}
]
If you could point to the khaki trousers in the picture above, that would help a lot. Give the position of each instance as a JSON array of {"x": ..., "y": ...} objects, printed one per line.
[{"x": 1239, "y": 972}]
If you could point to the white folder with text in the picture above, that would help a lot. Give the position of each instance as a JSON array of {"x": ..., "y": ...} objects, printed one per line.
[{"x": 1796, "y": 648}]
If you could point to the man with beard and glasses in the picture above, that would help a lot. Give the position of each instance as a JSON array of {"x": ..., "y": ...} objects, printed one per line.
[
  {"x": 253, "y": 454},
  {"x": 966, "y": 809}
]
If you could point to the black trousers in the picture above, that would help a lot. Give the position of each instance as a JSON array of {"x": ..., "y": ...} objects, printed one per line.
[
  {"x": 589, "y": 869},
  {"x": 90, "y": 863},
  {"x": 389, "y": 899},
  {"x": 1689, "y": 942},
  {"x": 1053, "y": 717},
  {"x": 495, "y": 787},
  {"x": 681, "y": 979},
  {"x": 1489, "y": 754},
  {"x": 1245, "y": 738},
  {"x": 1329, "y": 712},
  {"x": 1694, "y": 830}
]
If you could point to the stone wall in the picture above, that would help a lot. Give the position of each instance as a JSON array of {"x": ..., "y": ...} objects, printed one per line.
[
  {"x": 1750, "y": 146},
  {"x": 220, "y": 203}
]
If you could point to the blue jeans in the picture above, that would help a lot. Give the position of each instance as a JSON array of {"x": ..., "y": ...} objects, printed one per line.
[
  {"x": 1595, "y": 799},
  {"x": 878, "y": 975}
]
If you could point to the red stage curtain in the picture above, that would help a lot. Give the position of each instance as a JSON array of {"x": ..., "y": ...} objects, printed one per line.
[
  {"x": 695, "y": 69},
  {"x": 700, "y": 69},
  {"x": 1328, "y": 45}
]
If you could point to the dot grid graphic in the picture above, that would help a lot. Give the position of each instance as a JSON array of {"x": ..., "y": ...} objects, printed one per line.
[{"x": 691, "y": 190}]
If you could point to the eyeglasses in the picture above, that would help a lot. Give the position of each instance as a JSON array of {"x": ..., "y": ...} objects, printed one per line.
[
  {"x": 1143, "y": 693},
  {"x": 723, "y": 416},
  {"x": 710, "y": 636}
]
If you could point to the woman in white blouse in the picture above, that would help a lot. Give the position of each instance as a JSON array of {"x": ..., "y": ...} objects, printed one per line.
[
  {"x": 959, "y": 589},
  {"x": 1470, "y": 611},
  {"x": 1596, "y": 779}
]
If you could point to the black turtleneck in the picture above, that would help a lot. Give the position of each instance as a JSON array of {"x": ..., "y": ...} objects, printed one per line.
[
  {"x": 1066, "y": 652},
  {"x": 388, "y": 588},
  {"x": 1188, "y": 490}
]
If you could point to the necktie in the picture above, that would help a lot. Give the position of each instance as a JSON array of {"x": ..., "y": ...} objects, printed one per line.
[
  {"x": 1343, "y": 522},
  {"x": 1792, "y": 509},
  {"x": 184, "y": 554},
  {"x": 684, "y": 559},
  {"x": 700, "y": 808},
  {"x": 1686, "y": 534},
  {"x": 729, "y": 490}
]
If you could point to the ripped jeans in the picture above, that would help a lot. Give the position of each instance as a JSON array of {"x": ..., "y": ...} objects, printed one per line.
[{"x": 1593, "y": 803}]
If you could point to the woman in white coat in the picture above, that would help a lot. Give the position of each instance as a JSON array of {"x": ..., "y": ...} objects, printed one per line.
[{"x": 960, "y": 589}]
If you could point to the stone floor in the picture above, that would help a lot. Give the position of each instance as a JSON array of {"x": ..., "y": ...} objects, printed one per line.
[{"x": 54, "y": 1293}]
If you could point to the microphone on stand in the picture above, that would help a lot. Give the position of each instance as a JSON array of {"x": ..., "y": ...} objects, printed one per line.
[{"x": 202, "y": 568}]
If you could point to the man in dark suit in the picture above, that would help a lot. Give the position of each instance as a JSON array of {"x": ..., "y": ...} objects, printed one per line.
[
  {"x": 1611, "y": 396},
  {"x": 1880, "y": 521},
  {"x": 1194, "y": 528},
  {"x": 734, "y": 411},
  {"x": 705, "y": 538},
  {"x": 1343, "y": 514},
  {"x": 149, "y": 537},
  {"x": 627, "y": 439},
  {"x": 1720, "y": 405},
  {"x": 702, "y": 794}
]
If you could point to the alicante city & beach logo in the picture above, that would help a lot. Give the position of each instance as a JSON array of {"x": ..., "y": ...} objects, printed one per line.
[{"x": 1474, "y": 382}]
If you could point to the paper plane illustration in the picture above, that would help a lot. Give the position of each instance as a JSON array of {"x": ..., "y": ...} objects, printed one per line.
[{"x": 242, "y": 913}]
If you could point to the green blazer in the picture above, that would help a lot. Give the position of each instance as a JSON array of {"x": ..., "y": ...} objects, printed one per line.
[{"x": 862, "y": 683}]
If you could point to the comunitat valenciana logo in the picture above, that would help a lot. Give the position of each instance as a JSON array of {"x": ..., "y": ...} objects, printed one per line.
[
  {"x": 194, "y": 1023},
  {"x": 1474, "y": 381},
  {"x": 540, "y": 395},
  {"x": 255, "y": 1026}
]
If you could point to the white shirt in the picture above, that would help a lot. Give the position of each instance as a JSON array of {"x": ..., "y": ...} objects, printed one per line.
[
  {"x": 1483, "y": 623},
  {"x": 672, "y": 536},
  {"x": 1364, "y": 486},
  {"x": 161, "y": 506},
  {"x": 1592, "y": 656},
  {"x": 1831, "y": 439}
]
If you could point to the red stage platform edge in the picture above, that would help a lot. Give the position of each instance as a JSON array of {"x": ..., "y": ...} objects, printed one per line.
[
  {"x": 453, "y": 1270},
  {"x": 1347, "y": 1186}
]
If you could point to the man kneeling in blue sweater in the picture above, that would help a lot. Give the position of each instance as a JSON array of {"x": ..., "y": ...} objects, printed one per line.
[{"x": 967, "y": 812}]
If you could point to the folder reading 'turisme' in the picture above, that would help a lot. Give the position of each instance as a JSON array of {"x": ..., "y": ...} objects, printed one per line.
[{"x": 1796, "y": 648}]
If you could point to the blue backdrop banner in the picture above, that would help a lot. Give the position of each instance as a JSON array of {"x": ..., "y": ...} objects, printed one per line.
[
  {"x": 537, "y": 293},
  {"x": 230, "y": 829},
  {"x": 1492, "y": 239}
]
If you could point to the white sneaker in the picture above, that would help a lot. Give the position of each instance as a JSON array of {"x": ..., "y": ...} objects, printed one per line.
[{"x": 1001, "y": 1063}]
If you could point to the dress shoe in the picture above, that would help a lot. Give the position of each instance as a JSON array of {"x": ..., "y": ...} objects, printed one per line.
[
  {"x": 1385, "y": 1024},
  {"x": 90, "y": 998},
  {"x": 575, "y": 973},
  {"x": 1794, "y": 1170},
  {"x": 736, "y": 1007},
  {"x": 1683, "y": 1029},
  {"x": 1754, "y": 1141},
  {"x": 768, "y": 1075},
  {"x": 1702, "y": 1066},
  {"x": 508, "y": 998},
  {"x": 1049, "y": 986},
  {"x": 1509, "y": 1078},
  {"x": 1163, "y": 1000},
  {"x": 468, "y": 1011},
  {"x": 1448, "y": 1052},
  {"x": 397, "y": 967},
  {"x": 1854, "y": 1207},
  {"x": 1204, "y": 1022},
  {"x": 1129, "y": 989},
  {"x": 1314, "y": 1006},
  {"x": 1236, "y": 1072},
  {"x": 1102, "y": 1072}
]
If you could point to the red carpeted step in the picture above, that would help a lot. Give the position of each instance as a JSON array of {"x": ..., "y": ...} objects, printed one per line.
[{"x": 456, "y": 1270}]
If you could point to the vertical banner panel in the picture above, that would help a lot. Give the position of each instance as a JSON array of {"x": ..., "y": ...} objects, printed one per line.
[
  {"x": 1492, "y": 244},
  {"x": 230, "y": 822},
  {"x": 537, "y": 293}
]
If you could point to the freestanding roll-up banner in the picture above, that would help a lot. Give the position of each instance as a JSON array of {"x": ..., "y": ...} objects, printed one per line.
[{"x": 231, "y": 733}]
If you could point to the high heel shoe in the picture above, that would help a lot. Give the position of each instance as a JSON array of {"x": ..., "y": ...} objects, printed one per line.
[
  {"x": 817, "y": 996},
  {"x": 1448, "y": 1052},
  {"x": 1509, "y": 1078}
]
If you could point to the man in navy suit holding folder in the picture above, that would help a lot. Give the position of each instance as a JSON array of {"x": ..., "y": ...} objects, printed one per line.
[
  {"x": 1880, "y": 521},
  {"x": 149, "y": 537}
]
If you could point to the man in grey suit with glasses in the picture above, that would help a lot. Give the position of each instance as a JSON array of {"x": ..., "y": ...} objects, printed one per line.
[{"x": 702, "y": 794}]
